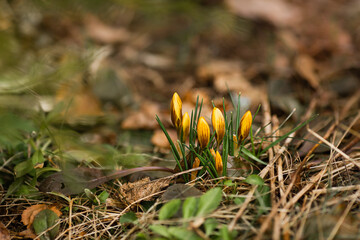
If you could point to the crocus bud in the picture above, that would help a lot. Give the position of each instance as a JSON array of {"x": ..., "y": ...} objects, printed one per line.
[
  {"x": 213, "y": 153},
  {"x": 235, "y": 141},
  {"x": 176, "y": 111},
  {"x": 203, "y": 132},
  {"x": 218, "y": 124},
  {"x": 185, "y": 125},
  {"x": 218, "y": 163},
  {"x": 195, "y": 165},
  {"x": 245, "y": 125}
]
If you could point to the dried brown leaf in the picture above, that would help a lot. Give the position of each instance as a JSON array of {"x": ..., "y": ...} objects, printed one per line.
[
  {"x": 159, "y": 139},
  {"x": 28, "y": 215},
  {"x": 142, "y": 189},
  {"x": 100, "y": 32},
  {"x": 278, "y": 12},
  {"x": 217, "y": 67},
  {"x": 82, "y": 102},
  {"x": 142, "y": 119},
  {"x": 28, "y": 233},
  {"x": 181, "y": 191},
  {"x": 306, "y": 67},
  {"x": 4, "y": 233}
]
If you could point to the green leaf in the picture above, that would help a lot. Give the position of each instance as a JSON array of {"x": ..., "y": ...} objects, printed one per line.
[
  {"x": 44, "y": 220},
  {"x": 103, "y": 196},
  {"x": 183, "y": 233},
  {"x": 13, "y": 187},
  {"x": 40, "y": 171},
  {"x": 254, "y": 179},
  {"x": 209, "y": 201},
  {"x": 12, "y": 134},
  {"x": 252, "y": 156},
  {"x": 141, "y": 236},
  {"x": 229, "y": 183},
  {"x": 23, "y": 168},
  {"x": 224, "y": 233},
  {"x": 161, "y": 230},
  {"x": 37, "y": 158},
  {"x": 263, "y": 197},
  {"x": 265, "y": 191},
  {"x": 239, "y": 200},
  {"x": 189, "y": 207},
  {"x": 210, "y": 225},
  {"x": 169, "y": 209},
  {"x": 90, "y": 195},
  {"x": 128, "y": 217}
]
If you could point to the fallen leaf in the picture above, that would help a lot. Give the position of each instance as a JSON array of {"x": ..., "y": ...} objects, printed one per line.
[
  {"x": 142, "y": 119},
  {"x": 213, "y": 68},
  {"x": 45, "y": 223},
  {"x": 232, "y": 81},
  {"x": 74, "y": 181},
  {"x": 159, "y": 139},
  {"x": 228, "y": 75},
  {"x": 4, "y": 233},
  {"x": 142, "y": 189},
  {"x": 278, "y": 12},
  {"x": 28, "y": 215},
  {"x": 306, "y": 67},
  {"x": 82, "y": 106},
  {"x": 181, "y": 191},
  {"x": 149, "y": 59},
  {"x": 28, "y": 233},
  {"x": 100, "y": 32}
]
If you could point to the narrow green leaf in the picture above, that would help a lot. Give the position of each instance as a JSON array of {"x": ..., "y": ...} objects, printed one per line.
[
  {"x": 252, "y": 156},
  {"x": 287, "y": 134},
  {"x": 189, "y": 207},
  {"x": 169, "y": 209},
  {"x": 209, "y": 201},
  {"x": 254, "y": 179}
]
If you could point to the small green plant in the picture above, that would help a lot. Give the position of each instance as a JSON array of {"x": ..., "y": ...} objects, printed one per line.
[
  {"x": 210, "y": 150},
  {"x": 193, "y": 209}
]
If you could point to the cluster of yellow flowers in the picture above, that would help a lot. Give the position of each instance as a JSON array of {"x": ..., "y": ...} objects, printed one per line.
[{"x": 182, "y": 125}]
